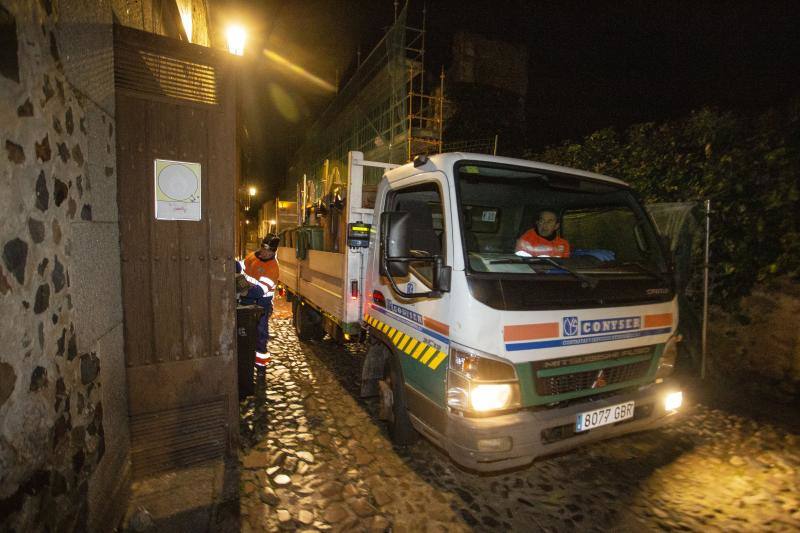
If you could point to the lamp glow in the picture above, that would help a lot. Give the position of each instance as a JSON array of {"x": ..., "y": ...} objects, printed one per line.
[
  {"x": 673, "y": 401},
  {"x": 488, "y": 397},
  {"x": 236, "y": 37},
  {"x": 186, "y": 19},
  {"x": 252, "y": 191}
]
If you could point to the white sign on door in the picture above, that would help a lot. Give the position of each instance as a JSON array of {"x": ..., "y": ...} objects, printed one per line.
[{"x": 177, "y": 187}]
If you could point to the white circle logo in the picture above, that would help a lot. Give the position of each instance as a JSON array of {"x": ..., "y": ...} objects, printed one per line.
[{"x": 178, "y": 182}]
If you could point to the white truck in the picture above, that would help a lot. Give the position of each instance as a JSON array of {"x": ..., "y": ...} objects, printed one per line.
[{"x": 495, "y": 355}]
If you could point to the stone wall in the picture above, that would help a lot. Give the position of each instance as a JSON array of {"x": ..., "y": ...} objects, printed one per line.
[
  {"x": 64, "y": 438},
  {"x": 84, "y": 33},
  {"x": 760, "y": 347},
  {"x": 196, "y": 11},
  {"x": 51, "y": 413},
  {"x": 149, "y": 15}
]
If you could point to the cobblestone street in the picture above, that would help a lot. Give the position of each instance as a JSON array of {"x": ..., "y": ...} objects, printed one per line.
[{"x": 316, "y": 457}]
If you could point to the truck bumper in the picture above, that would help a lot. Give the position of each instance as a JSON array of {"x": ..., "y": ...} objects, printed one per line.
[{"x": 525, "y": 435}]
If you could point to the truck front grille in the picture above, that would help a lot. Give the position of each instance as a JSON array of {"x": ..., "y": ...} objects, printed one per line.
[
  {"x": 597, "y": 379},
  {"x": 579, "y": 381}
]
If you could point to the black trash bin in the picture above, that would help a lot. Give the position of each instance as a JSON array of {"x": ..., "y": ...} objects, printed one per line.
[{"x": 247, "y": 317}]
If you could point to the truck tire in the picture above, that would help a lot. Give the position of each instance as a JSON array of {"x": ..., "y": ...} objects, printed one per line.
[
  {"x": 372, "y": 370},
  {"x": 336, "y": 334},
  {"x": 308, "y": 324},
  {"x": 393, "y": 406}
]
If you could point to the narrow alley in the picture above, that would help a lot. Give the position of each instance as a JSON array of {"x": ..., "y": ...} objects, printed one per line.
[{"x": 316, "y": 457}]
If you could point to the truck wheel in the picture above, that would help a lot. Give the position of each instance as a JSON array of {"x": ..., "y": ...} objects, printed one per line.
[
  {"x": 393, "y": 406},
  {"x": 337, "y": 335},
  {"x": 308, "y": 324},
  {"x": 295, "y": 306},
  {"x": 315, "y": 321}
]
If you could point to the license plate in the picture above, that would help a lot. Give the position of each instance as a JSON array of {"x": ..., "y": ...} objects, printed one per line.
[{"x": 604, "y": 416}]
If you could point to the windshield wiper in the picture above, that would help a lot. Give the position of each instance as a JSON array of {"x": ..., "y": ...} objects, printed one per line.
[
  {"x": 642, "y": 268},
  {"x": 586, "y": 281}
]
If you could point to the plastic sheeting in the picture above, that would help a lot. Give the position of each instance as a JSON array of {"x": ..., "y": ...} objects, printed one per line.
[{"x": 682, "y": 224}]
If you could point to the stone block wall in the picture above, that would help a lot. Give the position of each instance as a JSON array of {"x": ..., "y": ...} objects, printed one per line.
[
  {"x": 84, "y": 34},
  {"x": 195, "y": 11},
  {"x": 760, "y": 346},
  {"x": 64, "y": 437},
  {"x": 52, "y": 433}
]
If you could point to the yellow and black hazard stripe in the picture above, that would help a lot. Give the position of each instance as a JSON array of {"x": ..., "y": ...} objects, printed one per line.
[{"x": 424, "y": 353}]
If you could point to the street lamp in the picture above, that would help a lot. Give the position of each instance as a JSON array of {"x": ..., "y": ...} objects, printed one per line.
[
  {"x": 246, "y": 195},
  {"x": 236, "y": 36}
]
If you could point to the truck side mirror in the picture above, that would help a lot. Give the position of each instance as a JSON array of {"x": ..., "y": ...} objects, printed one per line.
[
  {"x": 394, "y": 243},
  {"x": 441, "y": 276}
]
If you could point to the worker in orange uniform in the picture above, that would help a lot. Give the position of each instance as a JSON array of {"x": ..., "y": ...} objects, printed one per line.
[
  {"x": 543, "y": 239},
  {"x": 260, "y": 269}
]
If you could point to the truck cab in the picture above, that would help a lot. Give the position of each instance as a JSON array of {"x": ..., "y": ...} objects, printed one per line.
[{"x": 500, "y": 353}]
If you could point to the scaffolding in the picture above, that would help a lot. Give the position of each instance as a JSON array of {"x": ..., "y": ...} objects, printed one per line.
[
  {"x": 383, "y": 111},
  {"x": 475, "y": 146}
]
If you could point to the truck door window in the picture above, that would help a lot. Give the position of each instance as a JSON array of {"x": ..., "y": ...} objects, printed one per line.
[{"x": 427, "y": 228}]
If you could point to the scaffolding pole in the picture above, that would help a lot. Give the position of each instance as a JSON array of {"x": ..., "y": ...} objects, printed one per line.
[
  {"x": 381, "y": 111},
  {"x": 704, "y": 341}
]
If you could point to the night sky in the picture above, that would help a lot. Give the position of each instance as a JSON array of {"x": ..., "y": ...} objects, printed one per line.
[{"x": 591, "y": 65}]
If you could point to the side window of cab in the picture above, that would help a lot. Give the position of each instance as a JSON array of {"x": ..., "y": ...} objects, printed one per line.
[{"x": 427, "y": 228}]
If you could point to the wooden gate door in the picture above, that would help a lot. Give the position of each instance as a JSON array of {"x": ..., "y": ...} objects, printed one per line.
[{"x": 175, "y": 103}]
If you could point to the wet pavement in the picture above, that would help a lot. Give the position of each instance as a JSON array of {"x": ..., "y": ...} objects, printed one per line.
[{"x": 316, "y": 457}]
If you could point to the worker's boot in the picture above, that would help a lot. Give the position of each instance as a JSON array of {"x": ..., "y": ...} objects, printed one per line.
[
  {"x": 262, "y": 359},
  {"x": 261, "y": 381}
]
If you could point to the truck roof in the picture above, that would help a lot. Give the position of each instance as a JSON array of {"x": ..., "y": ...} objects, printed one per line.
[{"x": 446, "y": 161}]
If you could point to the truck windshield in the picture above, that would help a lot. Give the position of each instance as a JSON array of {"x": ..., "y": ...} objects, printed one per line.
[{"x": 589, "y": 229}]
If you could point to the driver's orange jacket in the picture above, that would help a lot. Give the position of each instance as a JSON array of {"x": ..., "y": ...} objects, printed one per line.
[{"x": 536, "y": 245}]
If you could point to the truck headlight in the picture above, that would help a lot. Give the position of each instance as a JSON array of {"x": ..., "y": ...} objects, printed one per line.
[
  {"x": 490, "y": 396},
  {"x": 480, "y": 384},
  {"x": 673, "y": 401},
  {"x": 666, "y": 364}
]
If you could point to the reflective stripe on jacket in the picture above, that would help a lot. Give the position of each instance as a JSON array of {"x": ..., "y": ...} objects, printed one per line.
[{"x": 263, "y": 274}]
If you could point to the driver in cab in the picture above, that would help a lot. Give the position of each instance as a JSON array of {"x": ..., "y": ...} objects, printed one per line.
[{"x": 543, "y": 239}]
